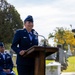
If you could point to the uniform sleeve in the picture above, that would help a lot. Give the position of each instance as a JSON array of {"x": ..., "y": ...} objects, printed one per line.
[
  {"x": 11, "y": 64},
  {"x": 1, "y": 68},
  {"x": 15, "y": 42}
]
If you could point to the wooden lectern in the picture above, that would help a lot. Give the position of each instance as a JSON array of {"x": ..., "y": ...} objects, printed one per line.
[{"x": 39, "y": 53}]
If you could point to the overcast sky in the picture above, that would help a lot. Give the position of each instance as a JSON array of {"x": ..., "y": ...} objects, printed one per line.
[{"x": 47, "y": 14}]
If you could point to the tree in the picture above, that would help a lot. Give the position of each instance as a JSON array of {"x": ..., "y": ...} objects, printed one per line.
[
  {"x": 63, "y": 36},
  {"x": 9, "y": 21}
]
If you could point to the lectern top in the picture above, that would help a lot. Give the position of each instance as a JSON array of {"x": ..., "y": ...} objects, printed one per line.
[{"x": 35, "y": 49}]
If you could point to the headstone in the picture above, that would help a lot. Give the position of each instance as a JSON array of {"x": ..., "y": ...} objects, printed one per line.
[
  {"x": 62, "y": 58},
  {"x": 69, "y": 51},
  {"x": 53, "y": 68},
  {"x": 51, "y": 57}
]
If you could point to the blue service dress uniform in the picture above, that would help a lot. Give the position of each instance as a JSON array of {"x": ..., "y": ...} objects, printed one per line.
[
  {"x": 21, "y": 41},
  {"x": 6, "y": 63}
]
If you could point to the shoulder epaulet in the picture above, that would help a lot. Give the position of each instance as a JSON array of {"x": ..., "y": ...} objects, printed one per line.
[{"x": 19, "y": 29}]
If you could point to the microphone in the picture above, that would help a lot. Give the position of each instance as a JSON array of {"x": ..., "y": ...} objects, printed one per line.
[{"x": 36, "y": 34}]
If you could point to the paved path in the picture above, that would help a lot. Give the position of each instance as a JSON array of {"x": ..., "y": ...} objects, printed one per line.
[{"x": 68, "y": 73}]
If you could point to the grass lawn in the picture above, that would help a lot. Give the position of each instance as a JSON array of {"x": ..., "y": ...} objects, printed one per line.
[
  {"x": 70, "y": 68},
  {"x": 71, "y": 64},
  {"x": 15, "y": 70}
]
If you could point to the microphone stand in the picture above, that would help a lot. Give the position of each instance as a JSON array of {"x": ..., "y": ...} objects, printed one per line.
[{"x": 44, "y": 40}]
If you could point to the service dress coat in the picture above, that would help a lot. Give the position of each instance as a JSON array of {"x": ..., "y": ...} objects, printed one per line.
[
  {"x": 21, "y": 41},
  {"x": 6, "y": 63}
]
